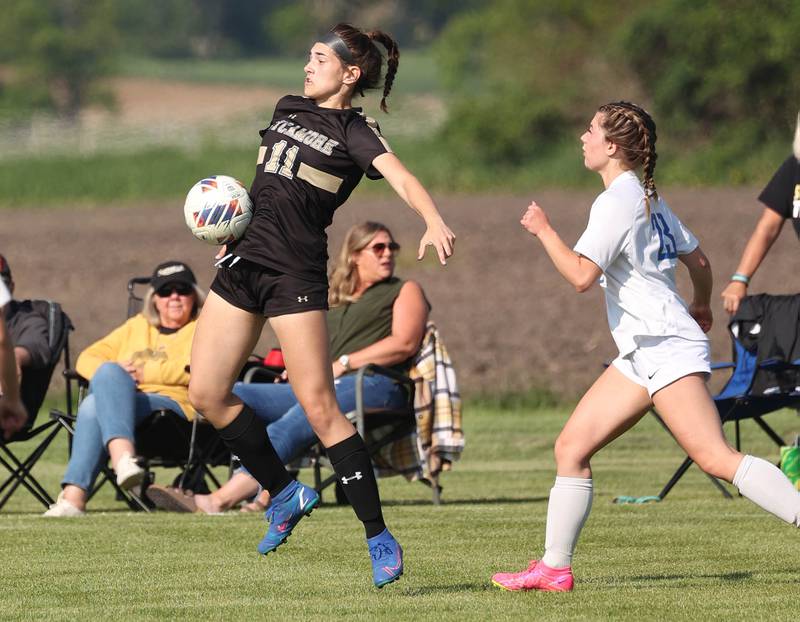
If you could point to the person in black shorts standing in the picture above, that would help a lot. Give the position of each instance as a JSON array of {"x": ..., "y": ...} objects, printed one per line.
[
  {"x": 312, "y": 155},
  {"x": 781, "y": 199}
]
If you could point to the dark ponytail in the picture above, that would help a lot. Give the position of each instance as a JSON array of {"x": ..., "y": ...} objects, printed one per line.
[
  {"x": 369, "y": 59},
  {"x": 392, "y": 62}
]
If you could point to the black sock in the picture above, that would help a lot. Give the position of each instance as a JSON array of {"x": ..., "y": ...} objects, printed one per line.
[
  {"x": 351, "y": 462},
  {"x": 246, "y": 437}
]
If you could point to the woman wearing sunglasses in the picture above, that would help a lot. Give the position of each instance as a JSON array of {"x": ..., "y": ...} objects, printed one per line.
[
  {"x": 375, "y": 317},
  {"x": 137, "y": 368}
]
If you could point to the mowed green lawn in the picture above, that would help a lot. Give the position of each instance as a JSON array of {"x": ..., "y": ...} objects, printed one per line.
[{"x": 695, "y": 556}]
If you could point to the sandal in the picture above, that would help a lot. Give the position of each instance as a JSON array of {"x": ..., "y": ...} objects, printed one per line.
[{"x": 171, "y": 499}]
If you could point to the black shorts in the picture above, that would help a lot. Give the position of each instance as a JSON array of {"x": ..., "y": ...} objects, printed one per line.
[{"x": 264, "y": 291}]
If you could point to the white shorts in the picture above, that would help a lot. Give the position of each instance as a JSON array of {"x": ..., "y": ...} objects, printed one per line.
[{"x": 659, "y": 361}]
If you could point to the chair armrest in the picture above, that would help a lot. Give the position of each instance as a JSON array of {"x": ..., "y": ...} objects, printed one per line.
[
  {"x": 71, "y": 374},
  {"x": 372, "y": 369},
  {"x": 259, "y": 374}
]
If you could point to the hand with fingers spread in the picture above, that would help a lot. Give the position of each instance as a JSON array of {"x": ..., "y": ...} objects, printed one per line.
[
  {"x": 441, "y": 238},
  {"x": 534, "y": 220}
]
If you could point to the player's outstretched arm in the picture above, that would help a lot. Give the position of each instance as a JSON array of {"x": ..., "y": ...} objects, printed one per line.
[
  {"x": 408, "y": 188},
  {"x": 703, "y": 282},
  {"x": 579, "y": 271}
]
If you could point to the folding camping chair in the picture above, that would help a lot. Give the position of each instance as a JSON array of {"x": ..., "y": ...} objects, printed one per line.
[
  {"x": 33, "y": 390},
  {"x": 163, "y": 440},
  {"x": 765, "y": 337},
  {"x": 379, "y": 428},
  {"x": 395, "y": 440}
]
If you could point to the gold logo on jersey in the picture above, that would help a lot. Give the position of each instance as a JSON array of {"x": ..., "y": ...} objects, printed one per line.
[{"x": 315, "y": 140}]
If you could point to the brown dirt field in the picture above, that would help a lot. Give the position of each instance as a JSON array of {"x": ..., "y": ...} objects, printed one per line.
[
  {"x": 149, "y": 100},
  {"x": 508, "y": 319}
]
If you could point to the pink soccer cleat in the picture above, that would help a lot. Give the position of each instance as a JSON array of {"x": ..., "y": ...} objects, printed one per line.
[{"x": 537, "y": 576}]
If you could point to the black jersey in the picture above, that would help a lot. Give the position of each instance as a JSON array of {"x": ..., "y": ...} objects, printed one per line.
[
  {"x": 782, "y": 193},
  {"x": 310, "y": 160}
]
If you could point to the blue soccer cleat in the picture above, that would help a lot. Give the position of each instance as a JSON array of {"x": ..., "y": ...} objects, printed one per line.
[
  {"x": 387, "y": 558},
  {"x": 287, "y": 508}
]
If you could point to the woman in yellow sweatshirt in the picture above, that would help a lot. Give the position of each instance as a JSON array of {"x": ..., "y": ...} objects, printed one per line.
[{"x": 139, "y": 367}]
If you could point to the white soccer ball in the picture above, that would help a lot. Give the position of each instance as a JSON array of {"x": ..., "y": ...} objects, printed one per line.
[{"x": 218, "y": 209}]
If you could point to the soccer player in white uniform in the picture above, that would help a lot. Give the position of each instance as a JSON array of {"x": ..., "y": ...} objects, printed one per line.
[{"x": 632, "y": 245}]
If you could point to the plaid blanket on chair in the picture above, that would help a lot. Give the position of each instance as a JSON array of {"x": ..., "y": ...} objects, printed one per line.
[{"x": 439, "y": 439}]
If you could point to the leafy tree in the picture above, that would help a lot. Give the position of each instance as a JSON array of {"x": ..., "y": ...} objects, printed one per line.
[
  {"x": 57, "y": 51},
  {"x": 714, "y": 67},
  {"x": 287, "y": 28},
  {"x": 523, "y": 75}
]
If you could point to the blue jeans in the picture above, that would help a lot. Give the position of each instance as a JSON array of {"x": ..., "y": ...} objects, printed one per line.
[
  {"x": 112, "y": 410},
  {"x": 287, "y": 426}
]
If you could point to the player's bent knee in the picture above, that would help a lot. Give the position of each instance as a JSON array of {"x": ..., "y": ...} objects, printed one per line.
[
  {"x": 570, "y": 454},
  {"x": 206, "y": 399}
]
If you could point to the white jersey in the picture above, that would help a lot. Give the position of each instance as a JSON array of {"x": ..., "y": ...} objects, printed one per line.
[
  {"x": 638, "y": 254},
  {"x": 5, "y": 295}
]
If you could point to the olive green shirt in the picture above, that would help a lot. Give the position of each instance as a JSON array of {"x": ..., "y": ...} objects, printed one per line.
[{"x": 353, "y": 326}]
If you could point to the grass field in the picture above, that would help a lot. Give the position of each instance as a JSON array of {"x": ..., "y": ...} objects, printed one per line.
[{"x": 695, "y": 556}]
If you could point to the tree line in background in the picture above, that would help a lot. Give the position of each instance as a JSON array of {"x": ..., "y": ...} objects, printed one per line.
[
  {"x": 55, "y": 52},
  {"x": 520, "y": 77},
  {"x": 523, "y": 77}
]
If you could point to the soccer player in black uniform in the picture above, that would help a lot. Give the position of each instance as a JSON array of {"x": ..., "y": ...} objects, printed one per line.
[{"x": 312, "y": 155}]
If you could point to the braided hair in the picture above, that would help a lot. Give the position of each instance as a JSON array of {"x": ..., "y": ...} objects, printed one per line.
[
  {"x": 633, "y": 130},
  {"x": 369, "y": 59}
]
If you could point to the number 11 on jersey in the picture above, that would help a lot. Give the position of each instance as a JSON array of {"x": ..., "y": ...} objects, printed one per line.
[{"x": 273, "y": 164}]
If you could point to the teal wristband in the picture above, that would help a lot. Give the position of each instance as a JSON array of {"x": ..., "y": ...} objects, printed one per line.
[{"x": 741, "y": 278}]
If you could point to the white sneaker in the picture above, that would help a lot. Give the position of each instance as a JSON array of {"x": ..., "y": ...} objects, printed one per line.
[
  {"x": 63, "y": 509},
  {"x": 129, "y": 473}
]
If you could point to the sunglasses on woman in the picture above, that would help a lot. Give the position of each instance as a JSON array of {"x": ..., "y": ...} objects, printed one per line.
[
  {"x": 182, "y": 289},
  {"x": 382, "y": 246}
]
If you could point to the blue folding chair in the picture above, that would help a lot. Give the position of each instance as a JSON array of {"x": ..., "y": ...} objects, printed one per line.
[{"x": 765, "y": 334}]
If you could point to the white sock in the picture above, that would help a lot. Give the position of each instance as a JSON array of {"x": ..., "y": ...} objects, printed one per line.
[
  {"x": 567, "y": 511},
  {"x": 766, "y": 486}
]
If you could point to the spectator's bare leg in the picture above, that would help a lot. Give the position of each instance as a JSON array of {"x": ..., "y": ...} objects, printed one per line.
[{"x": 238, "y": 488}]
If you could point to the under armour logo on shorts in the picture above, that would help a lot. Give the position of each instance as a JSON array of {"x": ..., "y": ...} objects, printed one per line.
[{"x": 302, "y": 299}]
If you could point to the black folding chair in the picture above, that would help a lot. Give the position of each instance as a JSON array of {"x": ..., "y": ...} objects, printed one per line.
[
  {"x": 766, "y": 372},
  {"x": 379, "y": 428},
  {"x": 164, "y": 440},
  {"x": 33, "y": 390}
]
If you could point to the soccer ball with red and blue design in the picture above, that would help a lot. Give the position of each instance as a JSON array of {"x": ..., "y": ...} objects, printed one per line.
[{"x": 218, "y": 209}]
